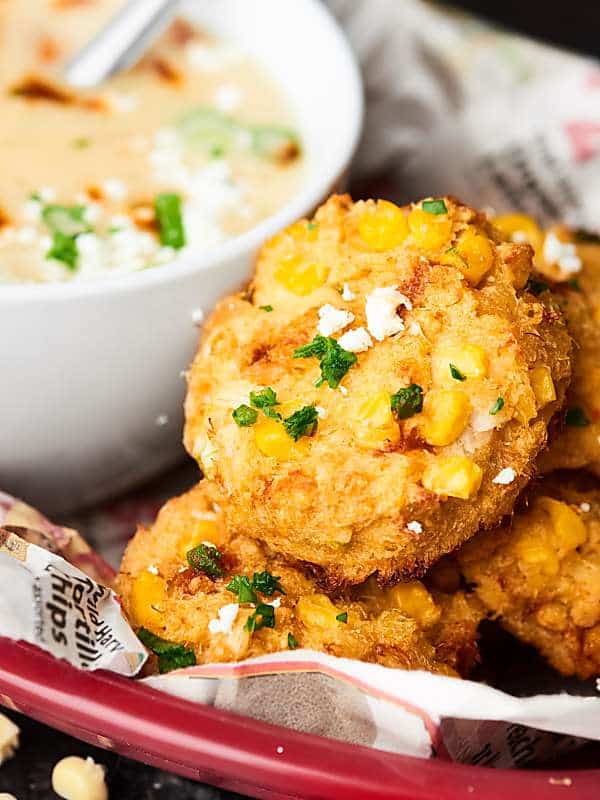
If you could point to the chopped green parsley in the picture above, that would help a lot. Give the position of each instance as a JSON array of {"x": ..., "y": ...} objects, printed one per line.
[
  {"x": 266, "y": 613},
  {"x": 573, "y": 283},
  {"x": 333, "y": 359},
  {"x": 241, "y": 585},
  {"x": 456, "y": 373},
  {"x": 577, "y": 418},
  {"x": 312, "y": 226},
  {"x": 267, "y": 584},
  {"x": 66, "y": 223},
  {"x": 302, "y": 422},
  {"x": 262, "y": 582},
  {"x": 267, "y": 308},
  {"x": 169, "y": 216},
  {"x": 244, "y": 415},
  {"x": 265, "y": 400},
  {"x": 292, "y": 642},
  {"x": 407, "y": 401},
  {"x": 64, "y": 248},
  {"x": 204, "y": 558},
  {"x": 434, "y": 206},
  {"x": 343, "y": 617},
  {"x": 170, "y": 654},
  {"x": 68, "y": 220},
  {"x": 498, "y": 406}
]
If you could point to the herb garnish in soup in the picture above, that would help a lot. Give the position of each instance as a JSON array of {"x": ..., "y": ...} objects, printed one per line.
[{"x": 192, "y": 146}]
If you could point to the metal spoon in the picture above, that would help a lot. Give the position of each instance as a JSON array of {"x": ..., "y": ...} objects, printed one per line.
[{"x": 121, "y": 43}]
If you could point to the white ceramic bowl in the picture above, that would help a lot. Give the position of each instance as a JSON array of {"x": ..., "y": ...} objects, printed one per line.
[{"x": 90, "y": 370}]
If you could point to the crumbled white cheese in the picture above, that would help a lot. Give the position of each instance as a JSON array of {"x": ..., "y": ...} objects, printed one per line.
[
  {"x": 152, "y": 569},
  {"x": 47, "y": 194},
  {"x": 414, "y": 526},
  {"x": 114, "y": 189},
  {"x": 505, "y": 476},
  {"x": 562, "y": 253},
  {"x": 228, "y": 97},
  {"x": 225, "y": 620},
  {"x": 332, "y": 320},
  {"x": 162, "y": 420},
  {"x": 26, "y": 234},
  {"x": 347, "y": 294},
  {"x": 415, "y": 329},
  {"x": 343, "y": 390},
  {"x": 381, "y": 308},
  {"x": 585, "y": 507},
  {"x": 275, "y": 603},
  {"x": 322, "y": 412},
  {"x": 197, "y": 316},
  {"x": 356, "y": 340},
  {"x": 9, "y": 738},
  {"x": 32, "y": 210}
]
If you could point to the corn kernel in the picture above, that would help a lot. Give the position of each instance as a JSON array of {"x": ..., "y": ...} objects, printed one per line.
[
  {"x": 471, "y": 360},
  {"x": 520, "y": 228},
  {"x": 148, "y": 596},
  {"x": 317, "y": 610},
  {"x": 542, "y": 385},
  {"x": 272, "y": 440},
  {"x": 477, "y": 254},
  {"x": 300, "y": 277},
  {"x": 453, "y": 476},
  {"x": 429, "y": 231},
  {"x": 446, "y": 413},
  {"x": 377, "y": 425},
  {"x": 568, "y": 529},
  {"x": 534, "y": 553},
  {"x": 525, "y": 405},
  {"x": 203, "y": 530},
  {"x": 383, "y": 226},
  {"x": 414, "y": 601}
]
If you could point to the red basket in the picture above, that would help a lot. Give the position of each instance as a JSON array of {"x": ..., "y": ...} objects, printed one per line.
[{"x": 243, "y": 755}]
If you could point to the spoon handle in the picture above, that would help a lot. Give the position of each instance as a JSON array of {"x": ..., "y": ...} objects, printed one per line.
[{"x": 121, "y": 42}]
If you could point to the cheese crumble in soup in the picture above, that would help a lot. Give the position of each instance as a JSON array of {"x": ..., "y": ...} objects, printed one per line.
[{"x": 192, "y": 146}]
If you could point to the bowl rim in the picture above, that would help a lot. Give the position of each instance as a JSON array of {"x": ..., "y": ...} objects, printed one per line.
[{"x": 309, "y": 196}]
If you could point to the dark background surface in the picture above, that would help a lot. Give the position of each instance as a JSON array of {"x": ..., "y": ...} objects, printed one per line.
[{"x": 28, "y": 775}]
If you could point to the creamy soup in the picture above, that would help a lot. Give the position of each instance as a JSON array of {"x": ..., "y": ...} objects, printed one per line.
[{"x": 192, "y": 146}]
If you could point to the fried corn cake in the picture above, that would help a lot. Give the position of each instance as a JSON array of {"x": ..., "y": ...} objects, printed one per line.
[
  {"x": 380, "y": 391},
  {"x": 540, "y": 575},
  {"x": 568, "y": 263},
  {"x": 188, "y": 582}
]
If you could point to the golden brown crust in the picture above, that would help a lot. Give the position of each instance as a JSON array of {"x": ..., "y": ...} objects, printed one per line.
[
  {"x": 540, "y": 575},
  {"x": 578, "y": 445},
  {"x": 340, "y": 500},
  {"x": 405, "y": 627}
]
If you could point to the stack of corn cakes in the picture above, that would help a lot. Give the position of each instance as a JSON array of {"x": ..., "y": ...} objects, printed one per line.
[{"x": 379, "y": 395}]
